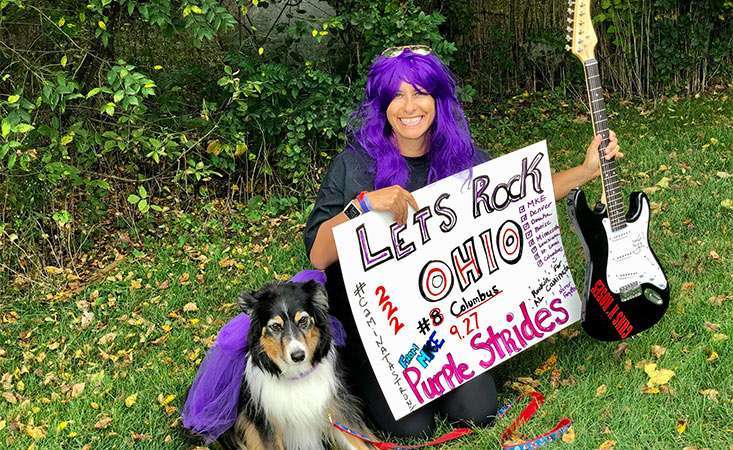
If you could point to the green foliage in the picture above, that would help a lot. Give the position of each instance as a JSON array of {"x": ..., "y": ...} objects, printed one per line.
[
  {"x": 196, "y": 99},
  {"x": 287, "y": 116},
  {"x": 388, "y": 24},
  {"x": 142, "y": 201}
]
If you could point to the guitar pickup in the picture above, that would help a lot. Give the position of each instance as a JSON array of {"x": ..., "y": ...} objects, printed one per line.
[{"x": 630, "y": 291}]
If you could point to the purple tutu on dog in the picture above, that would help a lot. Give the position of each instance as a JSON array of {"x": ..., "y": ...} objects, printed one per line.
[{"x": 211, "y": 405}]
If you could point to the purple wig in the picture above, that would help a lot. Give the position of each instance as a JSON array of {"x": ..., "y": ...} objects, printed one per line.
[{"x": 450, "y": 148}]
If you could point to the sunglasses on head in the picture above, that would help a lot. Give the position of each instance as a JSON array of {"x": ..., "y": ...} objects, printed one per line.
[{"x": 421, "y": 50}]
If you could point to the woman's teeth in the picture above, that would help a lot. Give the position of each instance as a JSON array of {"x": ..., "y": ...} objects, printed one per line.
[{"x": 412, "y": 121}]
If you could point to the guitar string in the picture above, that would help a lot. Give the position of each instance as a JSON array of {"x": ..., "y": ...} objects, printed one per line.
[{"x": 608, "y": 167}]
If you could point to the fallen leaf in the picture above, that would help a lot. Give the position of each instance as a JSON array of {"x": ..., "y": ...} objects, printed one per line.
[
  {"x": 130, "y": 400},
  {"x": 657, "y": 377},
  {"x": 620, "y": 350},
  {"x": 34, "y": 432},
  {"x": 86, "y": 319},
  {"x": 686, "y": 286},
  {"x": 190, "y": 307},
  {"x": 555, "y": 378},
  {"x": 136, "y": 284},
  {"x": 184, "y": 278},
  {"x": 712, "y": 394},
  {"x": 107, "y": 338},
  {"x": 640, "y": 364},
  {"x": 569, "y": 381},
  {"x": 547, "y": 365},
  {"x": 51, "y": 270},
  {"x": 10, "y": 397},
  {"x": 77, "y": 389},
  {"x": 214, "y": 147},
  {"x": 570, "y": 333},
  {"x": 103, "y": 423},
  {"x": 717, "y": 300},
  {"x": 664, "y": 183},
  {"x": 601, "y": 390},
  {"x": 727, "y": 203},
  {"x": 712, "y": 356},
  {"x": 658, "y": 351},
  {"x": 712, "y": 326},
  {"x": 607, "y": 445},
  {"x": 165, "y": 400},
  {"x": 720, "y": 337},
  {"x": 569, "y": 436},
  {"x": 681, "y": 426},
  {"x": 714, "y": 255},
  {"x": 723, "y": 175},
  {"x": 137, "y": 437},
  {"x": 226, "y": 262}
]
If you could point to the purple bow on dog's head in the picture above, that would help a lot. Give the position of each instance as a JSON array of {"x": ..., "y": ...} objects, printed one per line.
[{"x": 211, "y": 404}]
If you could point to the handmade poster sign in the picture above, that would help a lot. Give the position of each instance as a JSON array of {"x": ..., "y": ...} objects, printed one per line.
[{"x": 476, "y": 276}]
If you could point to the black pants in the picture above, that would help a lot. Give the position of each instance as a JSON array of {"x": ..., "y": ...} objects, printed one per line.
[{"x": 472, "y": 402}]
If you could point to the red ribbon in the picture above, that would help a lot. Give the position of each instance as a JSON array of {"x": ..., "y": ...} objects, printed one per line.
[{"x": 534, "y": 404}]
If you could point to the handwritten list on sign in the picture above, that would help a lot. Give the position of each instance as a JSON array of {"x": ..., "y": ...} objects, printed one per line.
[{"x": 477, "y": 275}]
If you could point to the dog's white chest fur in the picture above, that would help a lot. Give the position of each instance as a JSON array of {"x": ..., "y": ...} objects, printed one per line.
[{"x": 297, "y": 407}]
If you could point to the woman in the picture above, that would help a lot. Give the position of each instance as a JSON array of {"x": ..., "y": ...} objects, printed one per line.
[{"x": 409, "y": 131}]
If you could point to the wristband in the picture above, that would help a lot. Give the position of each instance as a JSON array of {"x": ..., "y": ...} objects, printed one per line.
[{"x": 363, "y": 202}]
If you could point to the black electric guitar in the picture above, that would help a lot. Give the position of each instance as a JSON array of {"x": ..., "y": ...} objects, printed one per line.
[{"x": 626, "y": 289}]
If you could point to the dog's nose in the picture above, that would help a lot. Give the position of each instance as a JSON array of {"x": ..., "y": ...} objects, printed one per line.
[{"x": 297, "y": 356}]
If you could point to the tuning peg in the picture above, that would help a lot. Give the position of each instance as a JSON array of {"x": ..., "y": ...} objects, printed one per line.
[
  {"x": 580, "y": 41},
  {"x": 570, "y": 10},
  {"x": 567, "y": 48},
  {"x": 568, "y": 38},
  {"x": 570, "y": 20},
  {"x": 571, "y": 2},
  {"x": 569, "y": 29}
]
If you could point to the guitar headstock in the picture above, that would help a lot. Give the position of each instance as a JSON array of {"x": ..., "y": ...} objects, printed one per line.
[{"x": 581, "y": 36}]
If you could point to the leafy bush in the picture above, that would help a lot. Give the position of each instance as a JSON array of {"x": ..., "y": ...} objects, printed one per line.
[{"x": 126, "y": 108}]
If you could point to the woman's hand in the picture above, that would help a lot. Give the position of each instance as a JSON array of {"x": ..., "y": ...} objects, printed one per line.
[
  {"x": 394, "y": 199},
  {"x": 592, "y": 163}
]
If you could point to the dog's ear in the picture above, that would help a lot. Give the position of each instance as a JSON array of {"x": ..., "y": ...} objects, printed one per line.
[
  {"x": 247, "y": 302},
  {"x": 317, "y": 292}
]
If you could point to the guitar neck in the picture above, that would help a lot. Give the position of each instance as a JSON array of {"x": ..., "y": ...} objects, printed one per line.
[{"x": 609, "y": 177}]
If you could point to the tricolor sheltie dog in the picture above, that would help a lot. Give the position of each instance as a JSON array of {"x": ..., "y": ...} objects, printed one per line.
[{"x": 291, "y": 386}]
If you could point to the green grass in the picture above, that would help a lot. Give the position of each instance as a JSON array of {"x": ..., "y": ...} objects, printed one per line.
[{"x": 140, "y": 341}]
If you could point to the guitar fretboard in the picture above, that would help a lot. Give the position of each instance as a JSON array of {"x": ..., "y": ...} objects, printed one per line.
[{"x": 611, "y": 182}]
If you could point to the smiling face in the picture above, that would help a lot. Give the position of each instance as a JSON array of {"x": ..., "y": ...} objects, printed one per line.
[{"x": 411, "y": 113}]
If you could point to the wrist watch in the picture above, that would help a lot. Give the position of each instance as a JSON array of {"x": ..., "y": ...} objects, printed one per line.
[{"x": 352, "y": 211}]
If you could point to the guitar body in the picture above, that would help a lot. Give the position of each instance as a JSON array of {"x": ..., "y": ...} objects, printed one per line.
[{"x": 626, "y": 289}]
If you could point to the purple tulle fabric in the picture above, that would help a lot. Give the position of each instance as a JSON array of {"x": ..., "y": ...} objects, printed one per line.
[{"x": 211, "y": 405}]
